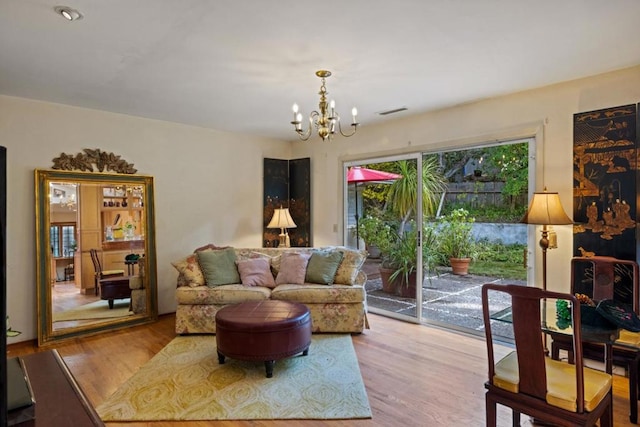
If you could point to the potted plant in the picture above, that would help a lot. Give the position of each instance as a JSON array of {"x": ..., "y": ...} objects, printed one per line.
[
  {"x": 376, "y": 233},
  {"x": 456, "y": 244},
  {"x": 10, "y": 332},
  {"x": 399, "y": 266}
]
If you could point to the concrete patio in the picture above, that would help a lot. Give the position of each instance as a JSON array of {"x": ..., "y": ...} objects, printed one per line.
[{"x": 447, "y": 300}]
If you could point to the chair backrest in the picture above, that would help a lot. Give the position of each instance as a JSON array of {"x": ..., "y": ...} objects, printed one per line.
[
  {"x": 606, "y": 278},
  {"x": 96, "y": 261},
  {"x": 527, "y": 303}
]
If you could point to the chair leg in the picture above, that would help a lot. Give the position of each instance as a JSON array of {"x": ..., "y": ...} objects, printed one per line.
[
  {"x": 606, "y": 420},
  {"x": 555, "y": 350},
  {"x": 491, "y": 411}
]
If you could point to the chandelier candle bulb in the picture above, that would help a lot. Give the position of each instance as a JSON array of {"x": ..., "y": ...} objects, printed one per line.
[{"x": 354, "y": 113}]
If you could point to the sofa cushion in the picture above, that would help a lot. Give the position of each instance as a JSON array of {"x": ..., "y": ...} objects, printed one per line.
[
  {"x": 293, "y": 268},
  {"x": 219, "y": 267},
  {"x": 256, "y": 272},
  {"x": 224, "y": 294},
  {"x": 209, "y": 247},
  {"x": 322, "y": 267},
  {"x": 190, "y": 270},
  {"x": 315, "y": 293},
  {"x": 350, "y": 266}
]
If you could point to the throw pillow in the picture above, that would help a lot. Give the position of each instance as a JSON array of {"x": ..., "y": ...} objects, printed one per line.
[
  {"x": 275, "y": 264},
  {"x": 256, "y": 272},
  {"x": 323, "y": 266},
  {"x": 219, "y": 267},
  {"x": 293, "y": 267},
  {"x": 209, "y": 247},
  {"x": 190, "y": 269},
  {"x": 350, "y": 266}
]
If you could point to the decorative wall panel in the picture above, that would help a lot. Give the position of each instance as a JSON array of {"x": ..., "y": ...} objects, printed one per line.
[
  {"x": 605, "y": 184},
  {"x": 287, "y": 183}
]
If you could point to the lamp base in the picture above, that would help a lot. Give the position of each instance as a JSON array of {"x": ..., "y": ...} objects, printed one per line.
[{"x": 284, "y": 240}]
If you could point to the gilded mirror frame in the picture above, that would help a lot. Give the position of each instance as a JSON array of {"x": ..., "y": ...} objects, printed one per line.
[{"x": 47, "y": 334}]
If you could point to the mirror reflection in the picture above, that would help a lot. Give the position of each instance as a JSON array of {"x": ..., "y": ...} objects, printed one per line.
[{"x": 96, "y": 266}]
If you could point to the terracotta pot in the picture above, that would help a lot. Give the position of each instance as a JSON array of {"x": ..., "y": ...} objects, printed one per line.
[
  {"x": 405, "y": 290},
  {"x": 398, "y": 286},
  {"x": 388, "y": 286},
  {"x": 460, "y": 266}
]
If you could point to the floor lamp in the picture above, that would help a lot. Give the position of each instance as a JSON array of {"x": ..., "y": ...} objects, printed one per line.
[
  {"x": 545, "y": 209},
  {"x": 282, "y": 219}
]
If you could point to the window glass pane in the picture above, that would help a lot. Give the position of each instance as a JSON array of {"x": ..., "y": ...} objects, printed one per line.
[
  {"x": 68, "y": 240},
  {"x": 54, "y": 237}
]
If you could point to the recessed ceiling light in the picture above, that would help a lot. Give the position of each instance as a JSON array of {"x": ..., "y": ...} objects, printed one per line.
[{"x": 68, "y": 13}]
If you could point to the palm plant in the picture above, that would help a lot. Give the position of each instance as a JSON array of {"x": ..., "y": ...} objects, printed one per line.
[{"x": 403, "y": 193}]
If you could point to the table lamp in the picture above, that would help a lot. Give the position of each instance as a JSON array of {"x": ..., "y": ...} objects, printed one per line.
[
  {"x": 545, "y": 209},
  {"x": 282, "y": 220}
]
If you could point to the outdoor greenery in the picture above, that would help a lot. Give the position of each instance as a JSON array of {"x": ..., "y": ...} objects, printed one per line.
[
  {"x": 455, "y": 239},
  {"x": 512, "y": 163},
  {"x": 499, "y": 260},
  {"x": 506, "y": 163},
  {"x": 489, "y": 213},
  {"x": 402, "y": 194},
  {"x": 402, "y": 252},
  {"x": 375, "y": 231},
  {"x": 390, "y": 210}
]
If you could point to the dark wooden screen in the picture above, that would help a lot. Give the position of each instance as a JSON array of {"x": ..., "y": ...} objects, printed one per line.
[
  {"x": 605, "y": 187},
  {"x": 287, "y": 183}
]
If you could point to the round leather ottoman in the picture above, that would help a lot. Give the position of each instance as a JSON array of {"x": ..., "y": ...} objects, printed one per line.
[{"x": 263, "y": 331}]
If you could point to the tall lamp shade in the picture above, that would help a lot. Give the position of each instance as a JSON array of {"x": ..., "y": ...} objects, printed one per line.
[
  {"x": 545, "y": 209},
  {"x": 282, "y": 219}
]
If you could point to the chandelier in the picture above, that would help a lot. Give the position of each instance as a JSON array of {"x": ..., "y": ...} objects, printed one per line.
[{"x": 326, "y": 121}]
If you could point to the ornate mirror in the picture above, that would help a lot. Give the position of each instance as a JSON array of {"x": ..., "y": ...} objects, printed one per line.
[{"x": 96, "y": 259}]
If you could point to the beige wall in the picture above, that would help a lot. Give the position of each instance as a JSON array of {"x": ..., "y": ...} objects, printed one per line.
[
  {"x": 545, "y": 113},
  {"x": 209, "y": 183}
]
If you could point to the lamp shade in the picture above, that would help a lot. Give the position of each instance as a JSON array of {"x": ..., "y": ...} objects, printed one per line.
[
  {"x": 281, "y": 219},
  {"x": 546, "y": 209}
]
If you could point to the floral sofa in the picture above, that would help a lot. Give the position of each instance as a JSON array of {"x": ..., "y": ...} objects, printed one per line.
[{"x": 336, "y": 297}]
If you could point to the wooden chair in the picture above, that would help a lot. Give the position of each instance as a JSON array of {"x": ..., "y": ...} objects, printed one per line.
[
  {"x": 529, "y": 382},
  {"x": 99, "y": 272},
  {"x": 609, "y": 278}
]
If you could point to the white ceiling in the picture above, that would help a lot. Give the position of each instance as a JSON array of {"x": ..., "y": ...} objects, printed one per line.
[{"x": 239, "y": 65}]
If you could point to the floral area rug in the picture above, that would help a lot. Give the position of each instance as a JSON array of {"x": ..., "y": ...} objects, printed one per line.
[
  {"x": 185, "y": 382},
  {"x": 95, "y": 310}
]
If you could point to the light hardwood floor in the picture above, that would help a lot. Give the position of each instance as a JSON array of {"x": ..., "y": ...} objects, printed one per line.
[{"x": 415, "y": 375}]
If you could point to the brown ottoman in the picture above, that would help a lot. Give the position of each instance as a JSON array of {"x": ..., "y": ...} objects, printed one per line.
[
  {"x": 115, "y": 288},
  {"x": 263, "y": 331}
]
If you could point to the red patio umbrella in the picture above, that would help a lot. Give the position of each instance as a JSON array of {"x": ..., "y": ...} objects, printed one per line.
[{"x": 358, "y": 174}]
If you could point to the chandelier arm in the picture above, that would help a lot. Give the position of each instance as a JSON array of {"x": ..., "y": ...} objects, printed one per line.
[
  {"x": 354, "y": 125},
  {"x": 305, "y": 135}
]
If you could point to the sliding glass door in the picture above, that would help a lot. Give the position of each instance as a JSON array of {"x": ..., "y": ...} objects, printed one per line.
[
  {"x": 381, "y": 198},
  {"x": 462, "y": 204}
]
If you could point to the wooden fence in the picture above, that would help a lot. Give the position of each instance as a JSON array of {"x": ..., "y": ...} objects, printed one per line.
[{"x": 478, "y": 193}]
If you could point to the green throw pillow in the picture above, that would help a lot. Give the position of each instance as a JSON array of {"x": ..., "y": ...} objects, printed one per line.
[
  {"x": 219, "y": 267},
  {"x": 322, "y": 267}
]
